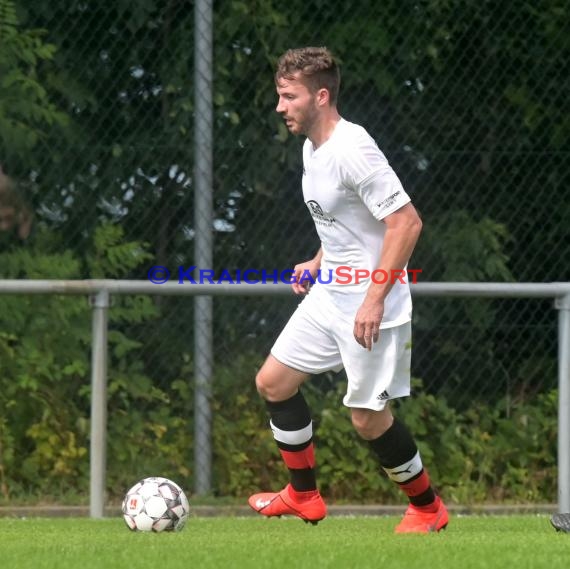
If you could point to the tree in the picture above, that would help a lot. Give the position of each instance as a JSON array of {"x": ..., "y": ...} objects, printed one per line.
[
  {"x": 467, "y": 100},
  {"x": 26, "y": 111}
]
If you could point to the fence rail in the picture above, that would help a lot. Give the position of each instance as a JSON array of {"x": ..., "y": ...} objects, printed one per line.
[{"x": 101, "y": 292}]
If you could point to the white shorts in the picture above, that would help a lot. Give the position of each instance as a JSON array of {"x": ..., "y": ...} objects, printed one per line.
[{"x": 319, "y": 338}]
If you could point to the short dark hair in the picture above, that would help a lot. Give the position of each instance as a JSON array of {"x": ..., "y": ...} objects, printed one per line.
[{"x": 317, "y": 66}]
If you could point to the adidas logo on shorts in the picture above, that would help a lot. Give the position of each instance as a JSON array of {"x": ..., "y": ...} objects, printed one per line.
[{"x": 383, "y": 396}]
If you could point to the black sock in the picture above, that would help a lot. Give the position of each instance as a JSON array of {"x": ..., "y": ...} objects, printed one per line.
[
  {"x": 292, "y": 429},
  {"x": 400, "y": 459}
]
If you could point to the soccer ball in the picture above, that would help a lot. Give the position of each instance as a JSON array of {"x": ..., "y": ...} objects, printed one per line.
[{"x": 155, "y": 504}]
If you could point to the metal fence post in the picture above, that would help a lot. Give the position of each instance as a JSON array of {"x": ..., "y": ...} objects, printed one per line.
[
  {"x": 98, "y": 450},
  {"x": 563, "y": 306},
  {"x": 203, "y": 245}
]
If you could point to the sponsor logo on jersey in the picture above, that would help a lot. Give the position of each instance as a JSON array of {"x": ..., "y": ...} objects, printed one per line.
[
  {"x": 388, "y": 202},
  {"x": 319, "y": 216}
]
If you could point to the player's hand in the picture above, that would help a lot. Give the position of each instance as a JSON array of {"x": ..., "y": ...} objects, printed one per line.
[
  {"x": 300, "y": 281},
  {"x": 367, "y": 323}
]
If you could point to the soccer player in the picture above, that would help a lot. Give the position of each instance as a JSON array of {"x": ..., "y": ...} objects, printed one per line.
[
  {"x": 365, "y": 221},
  {"x": 561, "y": 522}
]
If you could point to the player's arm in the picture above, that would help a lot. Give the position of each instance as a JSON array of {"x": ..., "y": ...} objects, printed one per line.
[
  {"x": 300, "y": 281},
  {"x": 403, "y": 228}
]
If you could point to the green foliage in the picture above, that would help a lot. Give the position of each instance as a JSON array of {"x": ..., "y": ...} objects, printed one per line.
[
  {"x": 96, "y": 125},
  {"x": 471, "y": 115},
  {"x": 111, "y": 255},
  {"x": 346, "y": 466},
  {"x": 489, "y": 453},
  {"x": 240, "y": 420},
  {"x": 44, "y": 350},
  {"x": 26, "y": 111},
  {"x": 150, "y": 431},
  {"x": 465, "y": 249}
]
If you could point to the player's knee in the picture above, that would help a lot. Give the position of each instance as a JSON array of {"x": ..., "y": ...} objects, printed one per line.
[
  {"x": 272, "y": 387},
  {"x": 371, "y": 424},
  {"x": 362, "y": 426},
  {"x": 265, "y": 386},
  {"x": 260, "y": 383}
]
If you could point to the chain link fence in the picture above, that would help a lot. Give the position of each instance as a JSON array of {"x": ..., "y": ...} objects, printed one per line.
[{"x": 466, "y": 99}]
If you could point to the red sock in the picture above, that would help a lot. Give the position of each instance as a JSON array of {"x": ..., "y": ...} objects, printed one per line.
[
  {"x": 298, "y": 459},
  {"x": 301, "y": 465},
  {"x": 302, "y": 496}
]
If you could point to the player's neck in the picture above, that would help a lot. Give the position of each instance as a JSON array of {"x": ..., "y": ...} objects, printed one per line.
[{"x": 323, "y": 130}]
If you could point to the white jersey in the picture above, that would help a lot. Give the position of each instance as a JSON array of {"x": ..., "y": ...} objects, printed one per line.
[{"x": 349, "y": 187}]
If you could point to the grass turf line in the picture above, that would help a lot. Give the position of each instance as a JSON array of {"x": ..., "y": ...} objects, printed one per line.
[{"x": 470, "y": 542}]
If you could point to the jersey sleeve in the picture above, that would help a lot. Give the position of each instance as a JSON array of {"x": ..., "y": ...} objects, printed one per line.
[{"x": 365, "y": 170}]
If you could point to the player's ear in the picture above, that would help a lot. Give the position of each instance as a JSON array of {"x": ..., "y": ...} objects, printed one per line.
[{"x": 323, "y": 96}]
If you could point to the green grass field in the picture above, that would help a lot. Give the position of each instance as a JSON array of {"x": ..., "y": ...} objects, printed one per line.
[{"x": 473, "y": 541}]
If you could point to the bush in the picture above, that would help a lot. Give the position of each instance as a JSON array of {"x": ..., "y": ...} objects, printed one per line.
[{"x": 482, "y": 455}]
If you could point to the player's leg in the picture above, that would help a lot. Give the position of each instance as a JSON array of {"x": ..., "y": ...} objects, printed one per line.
[
  {"x": 373, "y": 379},
  {"x": 291, "y": 423},
  {"x": 304, "y": 347},
  {"x": 561, "y": 522},
  {"x": 398, "y": 454}
]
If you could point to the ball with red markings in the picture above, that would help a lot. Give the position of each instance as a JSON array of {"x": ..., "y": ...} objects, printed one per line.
[{"x": 155, "y": 504}]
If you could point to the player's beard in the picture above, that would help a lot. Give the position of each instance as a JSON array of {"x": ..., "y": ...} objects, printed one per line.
[{"x": 304, "y": 122}]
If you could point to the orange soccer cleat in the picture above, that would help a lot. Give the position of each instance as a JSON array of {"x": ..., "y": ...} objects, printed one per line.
[
  {"x": 419, "y": 521},
  {"x": 287, "y": 503}
]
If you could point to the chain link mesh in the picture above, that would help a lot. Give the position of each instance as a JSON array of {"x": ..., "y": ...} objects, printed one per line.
[{"x": 466, "y": 99}]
